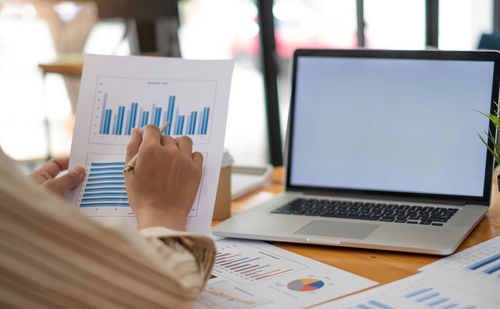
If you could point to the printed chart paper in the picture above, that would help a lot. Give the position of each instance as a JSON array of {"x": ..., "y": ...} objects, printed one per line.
[
  {"x": 419, "y": 291},
  {"x": 481, "y": 261},
  {"x": 467, "y": 279},
  {"x": 118, "y": 94},
  {"x": 254, "y": 274}
]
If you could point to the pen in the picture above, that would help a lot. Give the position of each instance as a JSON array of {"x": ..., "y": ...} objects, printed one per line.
[{"x": 131, "y": 164}]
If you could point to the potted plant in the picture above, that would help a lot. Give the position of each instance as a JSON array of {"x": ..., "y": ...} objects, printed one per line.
[{"x": 495, "y": 151}]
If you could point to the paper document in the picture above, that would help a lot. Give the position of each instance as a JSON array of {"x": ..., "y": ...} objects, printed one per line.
[
  {"x": 481, "y": 261},
  {"x": 467, "y": 279},
  {"x": 118, "y": 94},
  {"x": 254, "y": 274},
  {"x": 419, "y": 291}
]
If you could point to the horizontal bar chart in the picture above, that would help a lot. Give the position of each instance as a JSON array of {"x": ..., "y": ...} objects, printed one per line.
[
  {"x": 489, "y": 265},
  {"x": 236, "y": 262},
  {"x": 105, "y": 186},
  {"x": 103, "y": 192},
  {"x": 430, "y": 297}
]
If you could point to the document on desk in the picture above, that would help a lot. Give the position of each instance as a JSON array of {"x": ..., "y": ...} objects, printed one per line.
[
  {"x": 478, "y": 266},
  {"x": 480, "y": 262},
  {"x": 254, "y": 274},
  {"x": 424, "y": 290},
  {"x": 467, "y": 279},
  {"x": 118, "y": 94}
]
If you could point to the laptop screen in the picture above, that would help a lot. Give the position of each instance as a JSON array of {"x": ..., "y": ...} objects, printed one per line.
[{"x": 390, "y": 125}]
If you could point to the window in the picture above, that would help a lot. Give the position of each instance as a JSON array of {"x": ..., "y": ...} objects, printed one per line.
[
  {"x": 229, "y": 29},
  {"x": 394, "y": 24},
  {"x": 461, "y": 22}
]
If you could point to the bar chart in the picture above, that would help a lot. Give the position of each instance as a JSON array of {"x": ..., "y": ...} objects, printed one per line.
[
  {"x": 417, "y": 291},
  {"x": 481, "y": 261},
  {"x": 104, "y": 193},
  {"x": 255, "y": 274},
  {"x": 105, "y": 186},
  {"x": 245, "y": 265},
  {"x": 489, "y": 265},
  {"x": 427, "y": 297},
  {"x": 431, "y": 297},
  {"x": 122, "y": 104}
]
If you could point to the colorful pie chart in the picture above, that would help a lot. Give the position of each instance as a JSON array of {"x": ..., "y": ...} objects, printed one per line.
[{"x": 305, "y": 285}]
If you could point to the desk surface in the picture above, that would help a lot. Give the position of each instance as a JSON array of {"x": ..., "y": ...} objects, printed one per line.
[{"x": 378, "y": 265}]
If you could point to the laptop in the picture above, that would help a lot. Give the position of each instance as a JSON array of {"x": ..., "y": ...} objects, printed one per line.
[{"x": 382, "y": 151}]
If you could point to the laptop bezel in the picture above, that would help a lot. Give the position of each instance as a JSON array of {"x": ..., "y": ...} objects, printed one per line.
[{"x": 395, "y": 195}]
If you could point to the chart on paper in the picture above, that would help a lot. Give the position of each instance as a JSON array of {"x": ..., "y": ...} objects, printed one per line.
[
  {"x": 253, "y": 274},
  {"x": 238, "y": 262},
  {"x": 103, "y": 192},
  {"x": 418, "y": 291},
  {"x": 122, "y": 104},
  {"x": 481, "y": 261}
]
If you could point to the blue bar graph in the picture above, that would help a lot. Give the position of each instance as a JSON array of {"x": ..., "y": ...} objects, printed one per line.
[
  {"x": 492, "y": 269},
  {"x": 107, "y": 121},
  {"x": 127, "y": 125},
  {"x": 484, "y": 262},
  {"x": 418, "y": 292},
  {"x": 380, "y": 305},
  {"x": 118, "y": 121},
  {"x": 439, "y": 301},
  {"x": 427, "y": 297},
  {"x": 170, "y": 113},
  {"x": 126, "y": 116},
  {"x": 105, "y": 186},
  {"x": 431, "y": 298},
  {"x": 103, "y": 114}
]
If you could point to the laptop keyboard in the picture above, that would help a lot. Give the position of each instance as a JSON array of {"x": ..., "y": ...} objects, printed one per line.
[{"x": 409, "y": 214}]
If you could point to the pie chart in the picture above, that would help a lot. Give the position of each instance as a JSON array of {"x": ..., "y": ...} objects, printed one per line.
[{"x": 305, "y": 285}]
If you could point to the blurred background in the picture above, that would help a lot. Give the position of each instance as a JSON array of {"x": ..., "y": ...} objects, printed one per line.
[{"x": 42, "y": 43}]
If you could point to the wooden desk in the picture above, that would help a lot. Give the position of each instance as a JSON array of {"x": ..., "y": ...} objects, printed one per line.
[
  {"x": 70, "y": 64},
  {"x": 378, "y": 265}
]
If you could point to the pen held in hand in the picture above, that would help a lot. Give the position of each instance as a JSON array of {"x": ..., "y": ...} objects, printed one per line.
[{"x": 131, "y": 164}]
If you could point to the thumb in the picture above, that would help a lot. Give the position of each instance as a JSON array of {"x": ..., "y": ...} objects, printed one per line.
[{"x": 63, "y": 184}]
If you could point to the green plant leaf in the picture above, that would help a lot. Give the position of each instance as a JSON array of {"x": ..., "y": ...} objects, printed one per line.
[{"x": 495, "y": 119}]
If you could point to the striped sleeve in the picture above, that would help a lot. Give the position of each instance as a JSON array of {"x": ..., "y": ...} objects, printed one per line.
[{"x": 187, "y": 256}]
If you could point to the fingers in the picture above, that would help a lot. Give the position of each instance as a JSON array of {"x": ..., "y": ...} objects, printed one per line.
[
  {"x": 63, "y": 184},
  {"x": 50, "y": 170},
  {"x": 61, "y": 163},
  {"x": 185, "y": 144},
  {"x": 168, "y": 140},
  {"x": 133, "y": 145},
  {"x": 197, "y": 159},
  {"x": 151, "y": 134}
]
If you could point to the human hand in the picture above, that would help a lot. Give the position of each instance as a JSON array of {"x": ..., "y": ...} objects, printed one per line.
[
  {"x": 163, "y": 185},
  {"x": 46, "y": 174}
]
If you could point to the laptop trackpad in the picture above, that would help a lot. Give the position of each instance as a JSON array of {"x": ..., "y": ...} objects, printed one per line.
[{"x": 338, "y": 229}]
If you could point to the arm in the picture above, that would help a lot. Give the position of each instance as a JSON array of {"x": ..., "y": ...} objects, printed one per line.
[
  {"x": 161, "y": 190},
  {"x": 78, "y": 262}
]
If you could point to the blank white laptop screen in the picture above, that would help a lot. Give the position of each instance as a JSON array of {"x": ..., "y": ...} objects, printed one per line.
[{"x": 401, "y": 125}]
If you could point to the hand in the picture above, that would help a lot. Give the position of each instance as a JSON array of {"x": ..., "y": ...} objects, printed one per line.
[
  {"x": 61, "y": 185},
  {"x": 163, "y": 185}
]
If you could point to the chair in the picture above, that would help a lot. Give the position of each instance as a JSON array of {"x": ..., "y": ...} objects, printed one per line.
[{"x": 489, "y": 41}]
